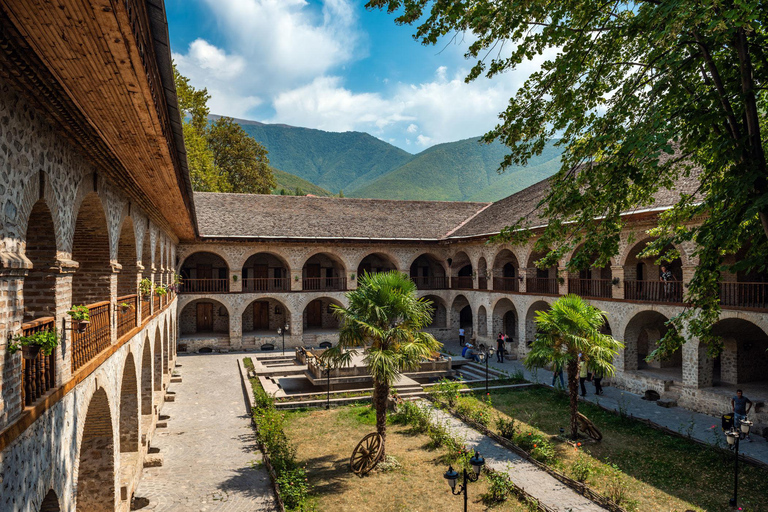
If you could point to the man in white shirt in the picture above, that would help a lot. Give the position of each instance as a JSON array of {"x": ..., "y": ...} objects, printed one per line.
[{"x": 461, "y": 336}]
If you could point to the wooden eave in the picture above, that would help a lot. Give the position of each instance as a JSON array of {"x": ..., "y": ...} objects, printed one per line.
[{"x": 91, "y": 66}]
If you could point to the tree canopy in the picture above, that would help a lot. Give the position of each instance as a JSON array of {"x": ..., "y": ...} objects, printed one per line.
[
  {"x": 221, "y": 156},
  {"x": 641, "y": 94}
]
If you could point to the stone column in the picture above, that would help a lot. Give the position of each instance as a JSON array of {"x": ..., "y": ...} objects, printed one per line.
[
  {"x": 526, "y": 273},
  {"x": 296, "y": 280},
  {"x": 116, "y": 268},
  {"x": 139, "y": 274},
  {"x": 13, "y": 270},
  {"x": 352, "y": 283},
  {"x": 562, "y": 287},
  {"x": 235, "y": 282},
  {"x": 152, "y": 277},
  {"x": 688, "y": 271},
  {"x": 235, "y": 332},
  {"x": 697, "y": 367},
  {"x": 617, "y": 272}
]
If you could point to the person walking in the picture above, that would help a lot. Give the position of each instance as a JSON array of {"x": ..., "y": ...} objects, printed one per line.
[
  {"x": 740, "y": 405},
  {"x": 500, "y": 348},
  {"x": 583, "y": 375},
  {"x": 557, "y": 370},
  {"x": 462, "y": 340},
  {"x": 597, "y": 380}
]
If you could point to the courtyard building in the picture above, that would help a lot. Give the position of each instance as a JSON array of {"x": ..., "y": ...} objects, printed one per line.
[{"x": 96, "y": 202}]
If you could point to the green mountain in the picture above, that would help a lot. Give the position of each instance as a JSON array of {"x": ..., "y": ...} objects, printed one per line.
[
  {"x": 291, "y": 182},
  {"x": 330, "y": 160},
  {"x": 461, "y": 171}
]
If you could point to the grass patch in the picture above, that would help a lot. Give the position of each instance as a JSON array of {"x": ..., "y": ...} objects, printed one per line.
[
  {"x": 324, "y": 441},
  {"x": 647, "y": 469}
]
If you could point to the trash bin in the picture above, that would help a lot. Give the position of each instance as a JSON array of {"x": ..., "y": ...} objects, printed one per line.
[{"x": 727, "y": 420}]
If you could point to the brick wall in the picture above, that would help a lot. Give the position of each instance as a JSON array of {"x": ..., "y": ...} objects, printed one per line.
[
  {"x": 96, "y": 472},
  {"x": 91, "y": 250}
]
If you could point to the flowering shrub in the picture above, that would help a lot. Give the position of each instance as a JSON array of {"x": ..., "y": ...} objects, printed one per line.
[
  {"x": 446, "y": 392},
  {"x": 538, "y": 446},
  {"x": 293, "y": 487}
]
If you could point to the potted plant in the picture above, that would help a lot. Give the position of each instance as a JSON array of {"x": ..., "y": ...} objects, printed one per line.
[
  {"x": 145, "y": 288},
  {"x": 234, "y": 277},
  {"x": 125, "y": 307},
  {"x": 31, "y": 345},
  {"x": 80, "y": 318},
  {"x": 174, "y": 287},
  {"x": 161, "y": 290}
]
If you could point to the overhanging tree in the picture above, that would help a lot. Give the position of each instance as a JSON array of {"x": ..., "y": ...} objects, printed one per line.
[
  {"x": 641, "y": 94},
  {"x": 570, "y": 328},
  {"x": 385, "y": 318}
]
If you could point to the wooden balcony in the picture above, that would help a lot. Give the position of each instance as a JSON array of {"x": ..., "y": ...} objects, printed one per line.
[
  {"x": 744, "y": 295},
  {"x": 591, "y": 288},
  {"x": 430, "y": 282},
  {"x": 204, "y": 286},
  {"x": 654, "y": 291},
  {"x": 126, "y": 316},
  {"x": 546, "y": 285},
  {"x": 97, "y": 336},
  {"x": 462, "y": 283},
  {"x": 38, "y": 375},
  {"x": 266, "y": 284},
  {"x": 324, "y": 283},
  {"x": 506, "y": 284}
]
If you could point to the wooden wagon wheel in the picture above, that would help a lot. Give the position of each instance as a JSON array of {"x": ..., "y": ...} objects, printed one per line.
[
  {"x": 366, "y": 454},
  {"x": 589, "y": 428}
]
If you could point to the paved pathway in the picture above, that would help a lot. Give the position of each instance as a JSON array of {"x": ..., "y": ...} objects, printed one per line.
[
  {"x": 209, "y": 449},
  {"x": 533, "y": 480},
  {"x": 701, "y": 426}
]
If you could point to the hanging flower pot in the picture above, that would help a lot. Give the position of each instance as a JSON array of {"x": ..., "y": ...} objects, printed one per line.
[
  {"x": 80, "y": 318},
  {"x": 80, "y": 325},
  {"x": 30, "y": 351}
]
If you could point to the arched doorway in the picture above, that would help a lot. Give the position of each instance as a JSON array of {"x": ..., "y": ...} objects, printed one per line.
[
  {"x": 204, "y": 317},
  {"x": 90, "y": 249},
  {"x": 266, "y": 272},
  {"x": 641, "y": 337},
  {"x": 318, "y": 316},
  {"x": 428, "y": 273},
  {"x": 505, "y": 320},
  {"x": 530, "y": 324},
  {"x": 50, "y": 503},
  {"x": 461, "y": 272},
  {"x": 146, "y": 379},
  {"x": 461, "y": 317},
  {"x": 642, "y": 276},
  {"x": 439, "y": 313},
  {"x": 747, "y": 289},
  {"x": 40, "y": 249},
  {"x": 127, "y": 258},
  {"x": 590, "y": 281},
  {"x": 158, "y": 364},
  {"x": 204, "y": 272},
  {"x": 744, "y": 358},
  {"x": 129, "y": 408},
  {"x": 264, "y": 316},
  {"x": 96, "y": 469},
  {"x": 375, "y": 263},
  {"x": 540, "y": 280},
  {"x": 324, "y": 271},
  {"x": 506, "y": 272}
]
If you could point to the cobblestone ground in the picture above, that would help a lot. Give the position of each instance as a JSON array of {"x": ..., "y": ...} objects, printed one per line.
[
  {"x": 211, "y": 462},
  {"x": 701, "y": 426},
  {"x": 535, "y": 481}
]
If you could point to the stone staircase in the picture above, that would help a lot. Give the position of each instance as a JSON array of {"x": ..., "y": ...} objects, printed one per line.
[{"x": 671, "y": 396}]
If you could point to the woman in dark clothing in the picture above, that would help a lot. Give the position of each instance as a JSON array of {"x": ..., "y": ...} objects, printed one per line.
[
  {"x": 500, "y": 348},
  {"x": 597, "y": 379}
]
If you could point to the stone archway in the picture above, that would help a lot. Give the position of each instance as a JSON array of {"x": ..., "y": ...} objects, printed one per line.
[
  {"x": 204, "y": 272},
  {"x": 504, "y": 320},
  {"x": 129, "y": 408},
  {"x": 530, "y": 324},
  {"x": 744, "y": 358},
  {"x": 461, "y": 272},
  {"x": 318, "y": 316},
  {"x": 324, "y": 271},
  {"x": 428, "y": 272},
  {"x": 641, "y": 337},
  {"x": 266, "y": 272},
  {"x": 50, "y": 502},
  {"x": 166, "y": 354},
  {"x": 506, "y": 272},
  {"x": 461, "y": 316},
  {"x": 146, "y": 378},
  {"x": 40, "y": 249},
  {"x": 439, "y": 313},
  {"x": 90, "y": 249},
  {"x": 127, "y": 283},
  {"x": 96, "y": 468},
  {"x": 374, "y": 263},
  {"x": 158, "y": 363}
]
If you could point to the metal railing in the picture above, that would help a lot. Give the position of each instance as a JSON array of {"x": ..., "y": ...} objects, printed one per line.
[
  {"x": 204, "y": 286},
  {"x": 38, "y": 375},
  {"x": 506, "y": 284},
  {"x": 598, "y": 288},
  {"x": 126, "y": 316},
  {"x": 542, "y": 285},
  {"x": 324, "y": 283},
  {"x": 654, "y": 291},
  {"x": 430, "y": 282},
  {"x": 745, "y": 295},
  {"x": 462, "y": 283},
  {"x": 266, "y": 284},
  {"x": 97, "y": 336}
]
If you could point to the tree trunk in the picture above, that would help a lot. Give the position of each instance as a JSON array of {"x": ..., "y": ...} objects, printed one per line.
[
  {"x": 380, "y": 394},
  {"x": 573, "y": 390}
]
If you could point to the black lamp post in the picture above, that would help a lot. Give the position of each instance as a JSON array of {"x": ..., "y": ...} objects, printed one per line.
[
  {"x": 486, "y": 352},
  {"x": 733, "y": 437},
  {"x": 451, "y": 475},
  {"x": 283, "y": 330}
]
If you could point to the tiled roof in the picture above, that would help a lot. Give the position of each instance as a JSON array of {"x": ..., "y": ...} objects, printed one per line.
[{"x": 272, "y": 216}]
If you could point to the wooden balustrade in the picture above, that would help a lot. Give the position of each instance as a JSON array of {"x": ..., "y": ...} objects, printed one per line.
[
  {"x": 146, "y": 307},
  {"x": 126, "y": 316},
  {"x": 204, "y": 286},
  {"x": 266, "y": 284},
  {"x": 595, "y": 288},
  {"x": 670, "y": 292},
  {"x": 542, "y": 285},
  {"x": 97, "y": 336},
  {"x": 745, "y": 295},
  {"x": 506, "y": 284},
  {"x": 430, "y": 282},
  {"x": 482, "y": 283},
  {"x": 155, "y": 302},
  {"x": 38, "y": 375},
  {"x": 462, "y": 283},
  {"x": 324, "y": 283}
]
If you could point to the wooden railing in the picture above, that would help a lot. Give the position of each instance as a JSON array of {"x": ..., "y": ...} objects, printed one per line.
[
  {"x": 38, "y": 375},
  {"x": 266, "y": 284},
  {"x": 155, "y": 302},
  {"x": 204, "y": 286},
  {"x": 462, "y": 283},
  {"x": 430, "y": 282},
  {"x": 745, "y": 295},
  {"x": 506, "y": 284},
  {"x": 598, "y": 288},
  {"x": 324, "y": 283},
  {"x": 542, "y": 285},
  {"x": 97, "y": 336},
  {"x": 126, "y": 316},
  {"x": 654, "y": 291},
  {"x": 146, "y": 307},
  {"x": 482, "y": 283}
]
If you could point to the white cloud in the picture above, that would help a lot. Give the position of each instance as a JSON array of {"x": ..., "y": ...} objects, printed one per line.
[
  {"x": 421, "y": 140},
  {"x": 412, "y": 128}
]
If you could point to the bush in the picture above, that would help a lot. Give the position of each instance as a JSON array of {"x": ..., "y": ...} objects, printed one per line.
[
  {"x": 475, "y": 410},
  {"x": 446, "y": 392},
  {"x": 293, "y": 487},
  {"x": 499, "y": 487},
  {"x": 506, "y": 427},
  {"x": 538, "y": 446},
  {"x": 581, "y": 468}
]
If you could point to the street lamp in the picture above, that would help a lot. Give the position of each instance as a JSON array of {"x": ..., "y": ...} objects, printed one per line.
[
  {"x": 486, "y": 352},
  {"x": 283, "y": 330},
  {"x": 451, "y": 475},
  {"x": 733, "y": 437}
]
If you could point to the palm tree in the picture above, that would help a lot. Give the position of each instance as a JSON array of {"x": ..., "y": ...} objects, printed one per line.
[
  {"x": 385, "y": 318},
  {"x": 570, "y": 328}
]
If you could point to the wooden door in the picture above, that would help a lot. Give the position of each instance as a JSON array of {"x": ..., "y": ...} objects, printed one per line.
[
  {"x": 261, "y": 274},
  {"x": 204, "y": 317},
  {"x": 315, "y": 314},
  {"x": 260, "y": 315}
]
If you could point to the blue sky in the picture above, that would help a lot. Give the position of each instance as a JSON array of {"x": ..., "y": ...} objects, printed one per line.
[{"x": 333, "y": 65}]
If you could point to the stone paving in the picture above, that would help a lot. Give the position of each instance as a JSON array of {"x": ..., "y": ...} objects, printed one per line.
[
  {"x": 533, "y": 480},
  {"x": 701, "y": 426},
  {"x": 211, "y": 462}
]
